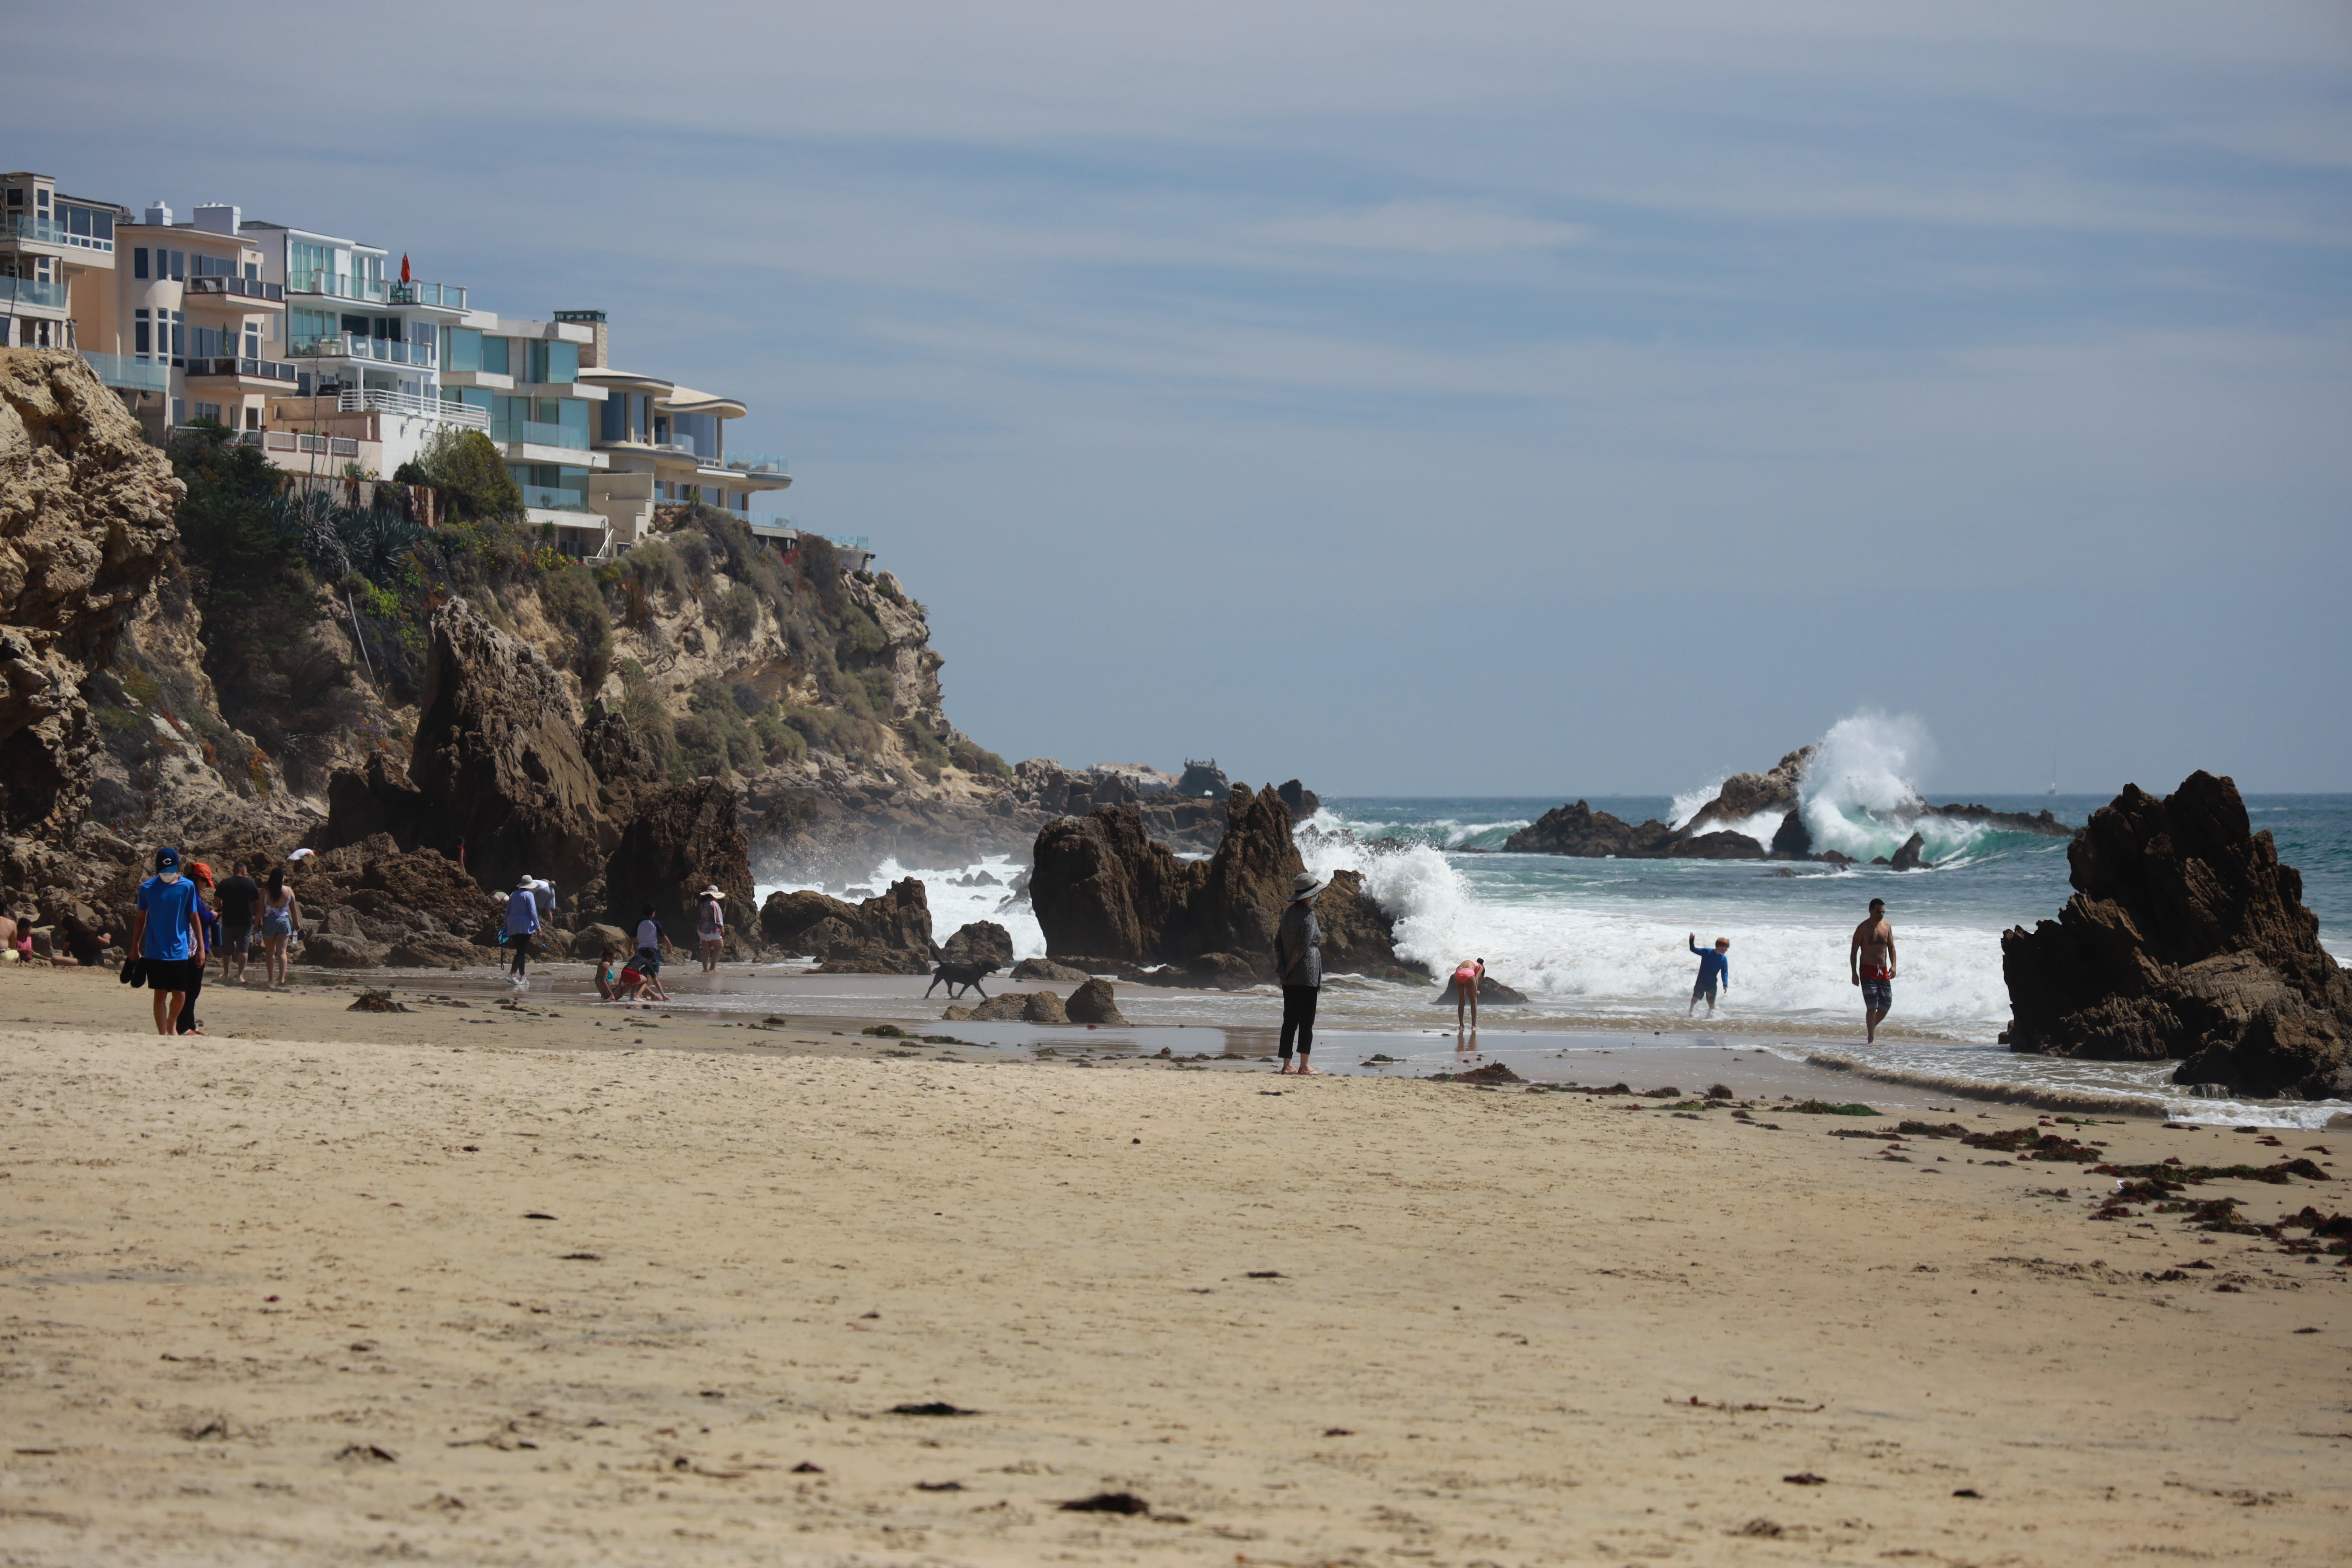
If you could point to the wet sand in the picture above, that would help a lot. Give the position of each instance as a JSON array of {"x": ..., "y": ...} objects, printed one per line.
[{"x": 279, "y": 1296}]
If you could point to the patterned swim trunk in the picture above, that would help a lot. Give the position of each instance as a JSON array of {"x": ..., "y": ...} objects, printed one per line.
[{"x": 1878, "y": 995}]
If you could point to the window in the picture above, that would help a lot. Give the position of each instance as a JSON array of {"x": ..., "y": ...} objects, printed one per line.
[
  {"x": 179, "y": 266},
  {"x": 40, "y": 198},
  {"x": 252, "y": 417},
  {"x": 43, "y": 339},
  {"x": 139, "y": 262},
  {"x": 461, "y": 349},
  {"x": 211, "y": 411},
  {"x": 102, "y": 225},
  {"x": 614, "y": 424},
  {"x": 77, "y": 219},
  {"x": 554, "y": 361},
  {"x": 494, "y": 355},
  {"x": 15, "y": 198},
  {"x": 306, "y": 263},
  {"x": 179, "y": 331},
  {"x": 140, "y": 341},
  {"x": 179, "y": 411},
  {"x": 252, "y": 270},
  {"x": 306, "y": 327},
  {"x": 253, "y": 339}
]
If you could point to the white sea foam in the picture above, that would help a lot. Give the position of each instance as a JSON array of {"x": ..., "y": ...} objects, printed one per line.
[
  {"x": 1859, "y": 798},
  {"x": 953, "y": 907},
  {"x": 1688, "y": 804}
]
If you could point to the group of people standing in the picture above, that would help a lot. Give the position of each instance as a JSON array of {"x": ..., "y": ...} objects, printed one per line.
[{"x": 184, "y": 919}]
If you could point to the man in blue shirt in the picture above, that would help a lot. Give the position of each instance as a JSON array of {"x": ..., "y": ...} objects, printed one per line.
[
  {"x": 1714, "y": 968},
  {"x": 168, "y": 937},
  {"x": 522, "y": 924}
]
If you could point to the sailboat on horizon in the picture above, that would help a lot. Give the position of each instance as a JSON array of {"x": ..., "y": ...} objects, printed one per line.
[{"x": 2054, "y": 773}]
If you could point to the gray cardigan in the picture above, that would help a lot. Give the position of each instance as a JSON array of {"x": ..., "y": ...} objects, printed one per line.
[{"x": 1298, "y": 946}]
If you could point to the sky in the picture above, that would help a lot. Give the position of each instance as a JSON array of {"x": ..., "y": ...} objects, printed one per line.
[{"x": 1536, "y": 399}]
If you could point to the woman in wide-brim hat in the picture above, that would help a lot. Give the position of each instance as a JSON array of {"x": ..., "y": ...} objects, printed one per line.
[
  {"x": 1298, "y": 968},
  {"x": 710, "y": 927}
]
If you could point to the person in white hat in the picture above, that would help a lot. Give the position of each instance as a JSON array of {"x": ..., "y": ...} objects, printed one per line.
[
  {"x": 521, "y": 924},
  {"x": 710, "y": 927},
  {"x": 1298, "y": 967}
]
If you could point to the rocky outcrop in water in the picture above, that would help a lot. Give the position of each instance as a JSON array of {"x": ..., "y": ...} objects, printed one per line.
[
  {"x": 1911, "y": 856},
  {"x": 2186, "y": 937},
  {"x": 980, "y": 941},
  {"x": 1108, "y": 896},
  {"x": 887, "y": 934},
  {"x": 86, "y": 525},
  {"x": 497, "y": 753},
  {"x": 1746, "y": 795},
  {"x": 1577, "y": 829}
]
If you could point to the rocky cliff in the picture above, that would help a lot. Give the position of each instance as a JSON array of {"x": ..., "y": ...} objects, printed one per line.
[
  {"x": 2186, "y": 937},
  {"x": 85, "y": 523}
]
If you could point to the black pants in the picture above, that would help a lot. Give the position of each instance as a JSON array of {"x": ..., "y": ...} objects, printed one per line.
[
  {"x": 186, "y": 1022},
  {"x": 521, "y": 945},
  {"x": 1299, "y": 1017}
]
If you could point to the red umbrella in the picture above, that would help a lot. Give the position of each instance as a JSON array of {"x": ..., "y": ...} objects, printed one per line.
[{"x": 403, "y": 267}]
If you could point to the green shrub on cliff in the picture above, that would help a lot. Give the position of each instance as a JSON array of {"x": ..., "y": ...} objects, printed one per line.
[
  {"x": 471, "y": 474},
  {"x": 570, "y": 596}
]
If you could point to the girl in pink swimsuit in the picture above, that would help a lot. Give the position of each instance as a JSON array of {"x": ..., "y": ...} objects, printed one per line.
[{"x": 1467, "y": 976}]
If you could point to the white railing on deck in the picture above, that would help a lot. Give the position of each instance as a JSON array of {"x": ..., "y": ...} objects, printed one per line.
[{"x": 379, "y": 400}]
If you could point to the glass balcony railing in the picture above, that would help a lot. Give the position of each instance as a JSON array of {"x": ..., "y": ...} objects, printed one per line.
[
  {"x": 354, "y": 345},
  {"x": 129, "y": 375},
  {"x": 750, "y": 463},
  {"x": 531, "y": 432},
  {"x": 449, "y": 296},
  {"x": 52, "y": 231},
  {"x": 239, "y": 288},
  {"x": 250, "y": 369},
  {"x": 552, "y": 499},
  {"x": 337, "y": 285},
  {"x": 32, "y": 291}
]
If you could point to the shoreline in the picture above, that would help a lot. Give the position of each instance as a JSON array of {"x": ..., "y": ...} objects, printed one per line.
[
  {"x": 830, "y": 1014},
  {"x": 488, "y": 1283}
]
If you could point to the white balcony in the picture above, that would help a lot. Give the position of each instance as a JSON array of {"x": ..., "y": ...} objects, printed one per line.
[{"x": 377, "y": 400}]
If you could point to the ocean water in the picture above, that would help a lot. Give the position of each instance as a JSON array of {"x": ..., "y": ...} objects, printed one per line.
[{"x": 1603, "y": 944}]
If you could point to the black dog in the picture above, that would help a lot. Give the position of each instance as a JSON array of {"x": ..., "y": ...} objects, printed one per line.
[{"x": 958, "y": 975}]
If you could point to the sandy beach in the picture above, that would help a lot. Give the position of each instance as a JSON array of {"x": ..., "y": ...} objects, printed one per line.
[{"x": 550, "y": 1285}]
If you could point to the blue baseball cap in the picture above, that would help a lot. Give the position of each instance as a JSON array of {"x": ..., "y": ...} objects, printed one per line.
[{"x": 167, "y": 859}]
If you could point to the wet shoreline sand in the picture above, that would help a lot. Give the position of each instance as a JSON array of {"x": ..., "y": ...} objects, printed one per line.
[{"x": 280, "y": 1298}]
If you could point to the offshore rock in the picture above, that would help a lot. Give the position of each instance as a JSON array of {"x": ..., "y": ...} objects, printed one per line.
[
  {"x": 1793, "y": 840},
  {"x": 85, "y": 520},
  {"x": 891, "y": 931},
  {"x": 1303, "y": 802},
  {"x": 1104, "y": 890},
  {"x": 1200, "y": 779},
  {"x": 1358, "y": 937},
  {"x": 1046, "y": 969},
  {"x": 1744, "y": 795},
  {"x": 1909, "y": 857},
  {"x": 980, "y": 941},
  {"x": 1094, "y": 1003},
  {"x": 1577, "y": 829},
  {"x": 496, "y": 748},
  {"x": 2186, "y": 937},
  {"x": 1722, "y": 844},
  {"x": 684, "y": 837}
]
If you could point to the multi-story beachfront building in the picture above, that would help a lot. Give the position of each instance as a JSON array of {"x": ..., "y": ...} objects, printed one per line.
[
  {"x": 58, "y": 289},
  {"x": 192, "y": 304},
  {"x": 522, "y": 380},
  {"x": 663, "y": 442}
]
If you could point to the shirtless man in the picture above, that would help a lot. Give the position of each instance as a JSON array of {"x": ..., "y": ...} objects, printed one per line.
[{"x": 1869, "y": 959}]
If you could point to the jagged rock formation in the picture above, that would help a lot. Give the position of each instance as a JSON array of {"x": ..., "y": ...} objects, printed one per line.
[
  {"x": 497, "y": 753},
  {"x": 1744, "y": 795},
  {"x": 1200, "y": 779},
  {"x": 980, "y": 941},
  {"x": 2186, "y": 937},
  {"x": 1303, "y": 802},
  {"x": 86, "y": 522},
  {"x": 887, "y": 934},
  {"x": 1910, "y": 856},
  {"x": 1108, "y": 896},
  {"x": 682, "y": 838}
]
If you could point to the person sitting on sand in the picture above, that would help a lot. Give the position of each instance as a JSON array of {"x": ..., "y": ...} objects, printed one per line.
[
  {"x": 9, "y": 926},
  {"x": 1298, "y": 965},
  {"x": 1714, "y": 969},
  {"x": 1870, "y": 960},
  {"x": 1466, "y": 977},
  {"x": 84, "y": 948},
  {"x": 608, "y": 977}
]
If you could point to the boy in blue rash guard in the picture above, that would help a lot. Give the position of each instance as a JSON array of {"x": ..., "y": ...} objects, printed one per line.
[{"x": 1714, "y": 969}]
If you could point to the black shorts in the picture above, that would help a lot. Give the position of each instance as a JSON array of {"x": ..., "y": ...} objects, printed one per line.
[
  {"x": 234, "y": 937},
  {"x": 174, "y": 975}
]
